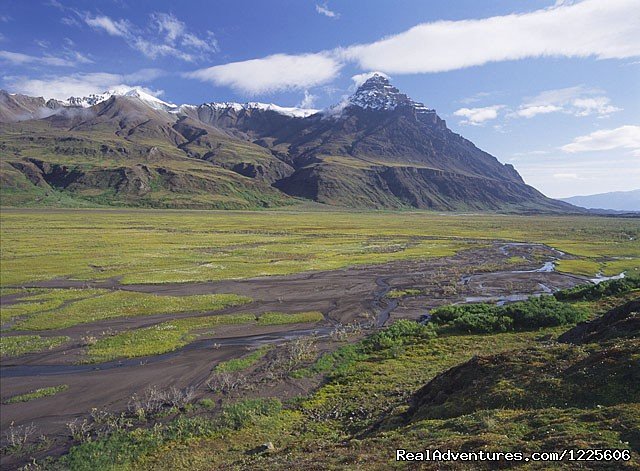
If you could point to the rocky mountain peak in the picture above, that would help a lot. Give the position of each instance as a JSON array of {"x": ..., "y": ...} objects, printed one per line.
[{"x": 377, "y": 93}]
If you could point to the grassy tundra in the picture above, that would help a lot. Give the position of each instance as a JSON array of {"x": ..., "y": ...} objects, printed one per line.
[{"x": 141, "y": 246}]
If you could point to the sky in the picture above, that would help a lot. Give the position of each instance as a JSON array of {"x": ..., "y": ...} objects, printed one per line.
[{"x": 552, "y": 87}]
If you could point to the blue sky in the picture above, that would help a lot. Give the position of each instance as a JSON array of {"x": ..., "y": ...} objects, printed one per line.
[{"x": 549, "y": 86}]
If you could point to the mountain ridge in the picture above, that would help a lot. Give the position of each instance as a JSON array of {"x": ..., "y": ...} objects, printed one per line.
[
  {"x": 377, "y": 149},
  {"x": 614, "y": 200}
]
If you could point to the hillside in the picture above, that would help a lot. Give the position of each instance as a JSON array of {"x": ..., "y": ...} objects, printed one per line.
[
  {"x": 616, "y": 200},
  {"x": 377, "y": 149}
]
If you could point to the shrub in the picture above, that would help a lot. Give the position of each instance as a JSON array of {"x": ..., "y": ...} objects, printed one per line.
[
  {"x": 592, "y": 292},
  {"x": 483, "y": 323},
  {"x": 446, "y": 314},
  {"x": 398, "y": 334},
  {"x": 545, "y": 311}
]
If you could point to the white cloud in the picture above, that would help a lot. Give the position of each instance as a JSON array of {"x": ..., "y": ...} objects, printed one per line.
[
  {"x": 16, "y": 58},
  {"x": 170, "y": 25},
  {"x": 591, "y": 28},
  {"x": 359, "y": 79},
  {"x": 69, "y": 21},
  {"x": 63, "y": 87},
  {"x": 599, "y": 105},
  {"x": 478, "y": 116},
  {"x": 272, "y": 73},
  {"x": 323, "y": 9},
  {"x": 153, "y": 50},
  {"x": 529, "y": 111},
  {"x": 577, "y": 101},
  {"x": 167, "y": 36},
  {"x": 112, "y": 27},
  {"x": 209, "y": 44},
  {"x": 308, "y": 101},
  {"x": 624, "y": 137},
  {"x": 478, "y": 97},
  {"x": 566, "y": 176}
]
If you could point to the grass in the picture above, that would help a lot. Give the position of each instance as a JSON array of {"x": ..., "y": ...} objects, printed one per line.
[
  {"x": 401, "y": 293},
  {"x": 104, "y": 304},
  {"x": 142, "y": 246},
  {"x": 513, "y": 391},
  {"x": 35, "y": 301},
  {"x": 16, "y": 345},
  {"x": 37, "y": 394},
  {"x": 169, "y": 336},
  {"x": 242, "y": 363}
]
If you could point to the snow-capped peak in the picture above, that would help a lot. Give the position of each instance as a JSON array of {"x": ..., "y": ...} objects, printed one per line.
[
  {"x": 377, "y": 93},
  {"x": 134, "y": 92},
  {"x": 252, "y": 105}
]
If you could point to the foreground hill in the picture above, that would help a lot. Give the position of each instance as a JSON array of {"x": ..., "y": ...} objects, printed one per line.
[{"x": 377, "y": 149}]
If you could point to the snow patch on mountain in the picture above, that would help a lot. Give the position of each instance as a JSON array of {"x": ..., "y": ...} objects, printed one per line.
[
  {"x": 287, "y": 111},
  {"x": 377, "y": 93},
  {"x": 135, "y": 92}
]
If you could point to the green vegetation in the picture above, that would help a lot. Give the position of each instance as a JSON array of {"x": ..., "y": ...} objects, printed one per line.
[
  {"x": 38, "y": 393},
  {"x": 180, "y": 246},
  {"x": 601, "y": 290},
  {"x": 106, "y": 304},
  {"x": 242, "y": 413},
  {"x": 401, "y": 293},
  {"x": 511, "y": 391},
  {"x": 168, "y": 336},
  {"x": 242, "y": 363},
  {"x": 533, "y": 313},
  {"x": 143, "y": 170},
  {"x": 16, "y": 345},
  {"x": 35, "y": 301}
]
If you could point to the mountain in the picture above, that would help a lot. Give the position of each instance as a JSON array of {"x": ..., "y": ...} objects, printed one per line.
[
  {"x": 616, "y": 200},
  {"x": 376, "y": 149}
]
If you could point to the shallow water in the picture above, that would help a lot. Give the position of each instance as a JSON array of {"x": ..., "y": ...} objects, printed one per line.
[{"x": 599, "y": 278}]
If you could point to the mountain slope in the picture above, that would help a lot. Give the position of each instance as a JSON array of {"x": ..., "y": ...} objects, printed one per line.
[
  {"x": 616, "y": 200},
  {"x": 377, "y": 149}
]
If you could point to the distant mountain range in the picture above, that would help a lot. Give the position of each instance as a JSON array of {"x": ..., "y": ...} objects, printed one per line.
[
  {"x": 376, "y": 149},
  {"x": 616, "y": 200}
]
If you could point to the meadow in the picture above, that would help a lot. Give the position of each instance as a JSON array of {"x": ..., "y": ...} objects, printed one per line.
[
  {"x": 343, "y": 399},
  {"x": 142, "y": 246},
  {"x": 169, "y": 336}
]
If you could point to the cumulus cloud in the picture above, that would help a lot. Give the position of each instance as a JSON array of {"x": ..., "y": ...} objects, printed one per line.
[
  {"x": 272, "y": 73},
  {"x": 63, "y": 87},
  {"x": 577, "y": 101},
  {"x": 478, "y": 116},
  {"x": 323, "y": 9},
  {"x": 624, "y": 137}
]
